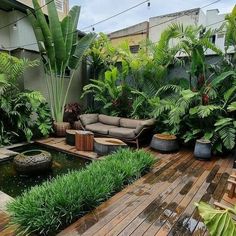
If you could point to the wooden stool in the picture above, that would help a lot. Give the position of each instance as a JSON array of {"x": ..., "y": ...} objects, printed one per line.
[
  {"x": 70, "y": 136},
  {"x": 84, "y": 140}
]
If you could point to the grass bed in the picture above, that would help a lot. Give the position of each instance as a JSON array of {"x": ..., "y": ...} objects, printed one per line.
[{"x": 50, "y": 207}]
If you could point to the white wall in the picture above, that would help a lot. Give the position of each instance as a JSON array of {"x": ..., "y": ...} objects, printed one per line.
[
  {"x": 4, "y": 33},
  {"x": 185, "y": 18}
]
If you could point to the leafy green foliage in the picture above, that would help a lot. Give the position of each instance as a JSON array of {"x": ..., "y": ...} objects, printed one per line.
[
  {"x": 111, "y": 93},
  {"x": 53, "y": 205},
  {"x": 60, "y": 50},
  {"x": 18, "y": 108},
  {"x": 218, "y": 222}
]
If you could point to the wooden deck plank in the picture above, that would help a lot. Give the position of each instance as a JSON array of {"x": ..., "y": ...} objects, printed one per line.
[
  {"x": 158, "y": 220},
  {"x": 149, "y": 195},
  {"x": 86, "y": 222},
  {"x": 160, "y": 202}
]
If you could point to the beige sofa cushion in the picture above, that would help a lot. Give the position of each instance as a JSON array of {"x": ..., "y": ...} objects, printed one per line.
[
  {"x": 109, "y": 120},
  {"x": 129, "y": 123},
  {"x": 99, "y": 128},
  {"x": 120, "y": 132},
  {"x": 87, "y": 119}
]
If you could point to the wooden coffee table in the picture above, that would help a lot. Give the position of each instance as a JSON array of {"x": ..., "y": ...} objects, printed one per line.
[{"x": 104, "y": 146}]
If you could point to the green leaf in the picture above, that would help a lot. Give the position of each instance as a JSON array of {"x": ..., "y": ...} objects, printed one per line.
[
  {"x": 232, "y": 107},
  {"x": 57, "y": 36},
  {"x": 46, "y": 32},
  {"x": 223, "y": 121},
  {"x": 81, "y": 47},
  {"x": 222, "y": 77},
  {"x": 218, "y": 222}
]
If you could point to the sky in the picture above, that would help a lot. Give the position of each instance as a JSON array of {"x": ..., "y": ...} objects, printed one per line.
[{"x": 93, "y": 11}]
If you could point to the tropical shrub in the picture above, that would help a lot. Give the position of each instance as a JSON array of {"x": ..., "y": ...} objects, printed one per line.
[
  {"x": 218, "y": 222},
  {"x": 111, "y": 93},
  {"x": 22, "y": 113},
  {"x": 52, "y": 206}
]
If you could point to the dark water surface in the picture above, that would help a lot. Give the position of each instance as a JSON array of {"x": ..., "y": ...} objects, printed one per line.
[{"x": 14, "y": 184}]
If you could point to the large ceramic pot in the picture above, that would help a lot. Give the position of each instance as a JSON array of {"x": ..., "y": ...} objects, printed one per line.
[
  {"x": 164, "y": 143},
  {"x": 202, "y": 149},
  {"x": 60, "y": 128},
  {"x": 32, "y": 161}
]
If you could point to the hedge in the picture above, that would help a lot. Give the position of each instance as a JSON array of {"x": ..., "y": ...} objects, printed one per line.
[{"x": 52, "y": 206}]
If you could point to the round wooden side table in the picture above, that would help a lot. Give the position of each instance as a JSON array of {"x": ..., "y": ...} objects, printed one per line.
[
  {"x": 104, "y": 146},
  {"x": 164, "y": 143}
]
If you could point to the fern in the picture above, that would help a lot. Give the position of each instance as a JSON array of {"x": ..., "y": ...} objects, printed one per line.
[{"x": 204, "y": 111}]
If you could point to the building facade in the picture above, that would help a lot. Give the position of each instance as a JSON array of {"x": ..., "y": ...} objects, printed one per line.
[
  {"x": 134, "y": 35},
  {"x": 21, "y": 34},
  {"x": 19, "y": 40},
  {"x": 156, "y": 25}
]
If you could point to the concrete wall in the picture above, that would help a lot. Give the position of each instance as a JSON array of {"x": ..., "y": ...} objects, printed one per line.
[
  {"x": 134, "y": 35},
  {"x": 34, "y": 78},
  {"x": 4, "y": 35},
  {"x": 42, "y": 2},
  {"x": 158, "y": 24}
]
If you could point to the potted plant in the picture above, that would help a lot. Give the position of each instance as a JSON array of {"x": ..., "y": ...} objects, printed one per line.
[
  {"x": 72, "y": 110},
  {"x": 60, "y": 50}
]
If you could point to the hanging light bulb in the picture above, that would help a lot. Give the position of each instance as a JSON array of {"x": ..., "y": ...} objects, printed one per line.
[{"x": 14, "y": 26}]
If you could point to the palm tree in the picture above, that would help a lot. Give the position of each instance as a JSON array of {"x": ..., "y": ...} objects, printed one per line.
[{"x": 194, "y": 41}]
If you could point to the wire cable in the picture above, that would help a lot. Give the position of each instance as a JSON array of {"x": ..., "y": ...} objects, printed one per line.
[
  {"x": 113, "y": 16},
  {"x": 139, "y": 31},
  {"x": 23, "y": 17}
]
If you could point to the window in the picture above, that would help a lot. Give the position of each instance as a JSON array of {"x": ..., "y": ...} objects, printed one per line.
[
  {"x": 134, "y": 48},
  {"x": 59, "y": 4},
  {"x": 213, "y": 39}
]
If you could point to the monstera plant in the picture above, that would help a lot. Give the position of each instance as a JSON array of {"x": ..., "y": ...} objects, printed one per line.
[
  {"x": 60, "y": 50},
  {"x": 218, "y": 222}
]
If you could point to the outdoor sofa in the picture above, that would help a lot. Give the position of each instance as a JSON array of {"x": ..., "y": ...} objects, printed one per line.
[{"x": 127, "y": 130}]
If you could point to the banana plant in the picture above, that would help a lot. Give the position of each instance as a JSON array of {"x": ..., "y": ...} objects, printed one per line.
[{"x": 60, "y": 49}]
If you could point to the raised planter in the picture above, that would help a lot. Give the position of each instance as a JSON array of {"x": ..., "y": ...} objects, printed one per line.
[
  {"x": 202, "y": 149},
  {"x": 164, "y": 143},
  {"x": 60, "y": 128},
  {"x": 104, "y": 146},
  {"x": 32, "y": 161}
]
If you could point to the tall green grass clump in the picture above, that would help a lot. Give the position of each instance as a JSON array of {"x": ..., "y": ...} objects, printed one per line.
[{"x": 50, "y": 207}]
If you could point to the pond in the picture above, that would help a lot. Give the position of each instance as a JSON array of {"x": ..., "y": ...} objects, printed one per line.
[{"x": 14, "y": 184}]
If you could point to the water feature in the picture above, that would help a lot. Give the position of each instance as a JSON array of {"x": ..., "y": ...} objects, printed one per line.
[{"x": 14, "y": 184}]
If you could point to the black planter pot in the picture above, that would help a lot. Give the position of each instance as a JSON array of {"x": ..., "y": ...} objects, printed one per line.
[{"x": 202, "y": 149}]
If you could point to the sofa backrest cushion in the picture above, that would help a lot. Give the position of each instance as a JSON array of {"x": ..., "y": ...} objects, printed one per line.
[
  {"x": 87, "y": 119},
  {"x": 129, "y": 123},
  {"x": 109, "y": 120}
]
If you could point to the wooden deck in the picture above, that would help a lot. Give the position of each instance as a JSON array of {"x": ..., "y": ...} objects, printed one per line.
[
  {"x": 161, "y": 202},
  {"x": 60, "y": 144}
]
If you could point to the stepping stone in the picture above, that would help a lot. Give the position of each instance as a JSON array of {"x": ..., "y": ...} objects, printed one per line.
[
  {"x": 8, "y": 152},
  {"x": 4, "y": 200}
]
